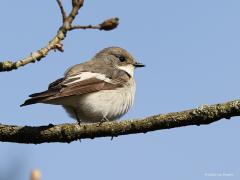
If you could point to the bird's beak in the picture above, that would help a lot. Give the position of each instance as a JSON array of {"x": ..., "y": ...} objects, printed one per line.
[{"x": 137, "y": 65}]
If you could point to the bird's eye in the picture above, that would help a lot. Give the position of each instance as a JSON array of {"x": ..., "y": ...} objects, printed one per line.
[{"x": 122, "y": 58}]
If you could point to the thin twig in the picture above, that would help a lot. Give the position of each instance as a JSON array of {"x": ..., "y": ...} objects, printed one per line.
[
  {"x": 106, "y": 25},
  {"x": 84, "y": 27},
  {"x": 62, "y": 10},
  {"x": 55, "y": 43},
  {"x": 71, "y": 132}
]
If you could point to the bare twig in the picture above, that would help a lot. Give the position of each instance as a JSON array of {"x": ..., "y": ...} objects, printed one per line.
[
  {"x": 64, "y": 15},
  {"x": 84, "y": 27},
  {"x": 106, "y": 25},
  {"x": 55, "y": 43},
  {"x": 70, "y": 132}
]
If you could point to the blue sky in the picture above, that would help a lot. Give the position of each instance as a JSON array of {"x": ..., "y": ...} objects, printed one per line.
[{"x": 191, "y": 49}]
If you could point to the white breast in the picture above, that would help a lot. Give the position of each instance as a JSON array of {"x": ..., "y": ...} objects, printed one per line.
[{"x": 111, "y": 104}]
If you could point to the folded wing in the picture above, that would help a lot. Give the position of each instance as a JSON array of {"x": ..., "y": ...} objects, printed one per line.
[{"x": 82, "y": 83}]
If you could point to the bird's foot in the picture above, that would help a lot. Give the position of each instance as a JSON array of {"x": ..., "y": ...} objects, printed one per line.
[
  {"x": 78, "y": 119},
  {"x": 104, "y": 119},
  {"x": 79, "y": 122}
]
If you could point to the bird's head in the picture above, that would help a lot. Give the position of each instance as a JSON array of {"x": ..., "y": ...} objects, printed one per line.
[{"x": 119, "y": 58}]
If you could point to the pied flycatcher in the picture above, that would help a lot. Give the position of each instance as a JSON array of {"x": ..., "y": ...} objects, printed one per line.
[{"x": 101, "y": 89}]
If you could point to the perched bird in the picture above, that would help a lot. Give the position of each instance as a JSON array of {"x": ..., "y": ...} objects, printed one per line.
[{"x": 98, "y": 90}]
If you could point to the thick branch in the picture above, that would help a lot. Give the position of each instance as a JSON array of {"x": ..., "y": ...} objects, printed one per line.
[
  {"x": 71, "y": 132},
  {"x": 55, "y": 43}
]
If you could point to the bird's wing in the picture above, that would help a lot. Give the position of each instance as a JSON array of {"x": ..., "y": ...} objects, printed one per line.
[{"x": 77, "y": 84}]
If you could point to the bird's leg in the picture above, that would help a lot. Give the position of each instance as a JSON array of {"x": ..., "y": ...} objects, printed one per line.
[
  {"x": 104, "y": 119},
  {"x": 76, "y": 114}
]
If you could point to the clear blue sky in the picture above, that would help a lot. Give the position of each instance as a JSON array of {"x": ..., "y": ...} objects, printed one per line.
[{"x": 191, "y": 49}]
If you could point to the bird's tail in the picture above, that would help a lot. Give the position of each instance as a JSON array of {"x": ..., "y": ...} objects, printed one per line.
[{"x": 39, "y": 97}]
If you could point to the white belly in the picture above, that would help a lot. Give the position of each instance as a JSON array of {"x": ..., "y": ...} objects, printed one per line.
[{"x": 110, "y": 104}]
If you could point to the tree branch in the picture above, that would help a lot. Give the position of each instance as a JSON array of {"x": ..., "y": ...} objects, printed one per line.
[
  {"x": 64, "y": 15},
  {"x": 106, "y": 25},
  {"x": 71, "y": 132},
  {"x": 55, "y": 43}
]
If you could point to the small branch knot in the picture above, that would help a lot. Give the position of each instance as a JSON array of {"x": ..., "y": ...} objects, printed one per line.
[
  {"x": 59, "y": 47},
  {"x": 66, "y": 25}
]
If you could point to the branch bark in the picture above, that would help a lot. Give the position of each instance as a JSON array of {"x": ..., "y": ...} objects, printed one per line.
[
  {"x": 71, "y": 132},
  {"x": 55, "y": 43}
]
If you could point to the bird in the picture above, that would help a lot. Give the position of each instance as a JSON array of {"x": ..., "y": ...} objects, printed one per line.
[{"x": 101, "y": 89}]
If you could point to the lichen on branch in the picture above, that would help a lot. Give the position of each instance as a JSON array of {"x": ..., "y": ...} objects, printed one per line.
[{"x": 67, "y": 133}]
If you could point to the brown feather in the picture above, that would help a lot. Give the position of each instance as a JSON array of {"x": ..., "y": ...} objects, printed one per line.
[{"x": 57, "y": 91}]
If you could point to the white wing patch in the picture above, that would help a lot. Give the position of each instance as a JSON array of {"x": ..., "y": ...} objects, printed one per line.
[{"x": 86, "y": 75}]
